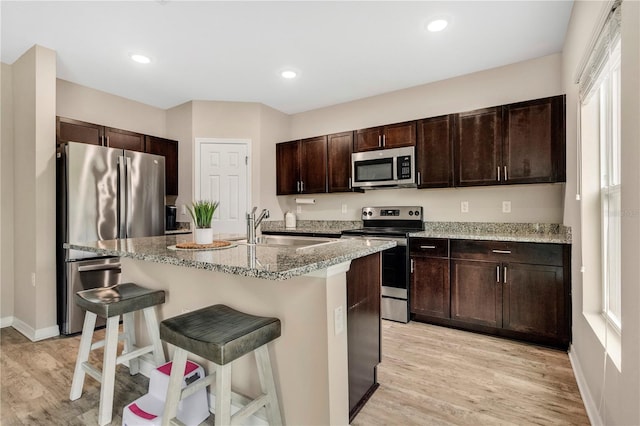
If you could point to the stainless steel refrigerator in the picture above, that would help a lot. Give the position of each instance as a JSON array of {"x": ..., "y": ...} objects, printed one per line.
[{"x": 103, "y": 193}]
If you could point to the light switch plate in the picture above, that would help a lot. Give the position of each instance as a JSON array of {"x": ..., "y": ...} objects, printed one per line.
[
  {"x": 299, "y": 209},
  {"x": 344, "y": 208},
  {"x": 464, "y": 206},
  {"x": 506, "y": 207}
]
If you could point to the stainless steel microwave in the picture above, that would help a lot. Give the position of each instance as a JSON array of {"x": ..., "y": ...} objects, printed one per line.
[{"x": 385, "y": 168}]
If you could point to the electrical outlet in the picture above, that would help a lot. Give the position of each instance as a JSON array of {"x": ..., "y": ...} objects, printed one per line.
[
  {"x": 184, "y": 209},
  {"x": 464, "y": 206},
  {"x": 344, "y": 208},
  {"x": 338, "y": 320},
  {"x": 506, "y": 207},
  {"x": 299, "y": 209},
  {"x": 33, "y": 279}
]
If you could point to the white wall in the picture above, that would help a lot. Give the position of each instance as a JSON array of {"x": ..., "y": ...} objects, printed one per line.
[
  {"x": 6, "y": 188},
  {"x": 94, "y": 106},
  {"x": 34, "y": 96},
  {"x": 612, "y": 397},
  {"x": 521, "y": 81}
]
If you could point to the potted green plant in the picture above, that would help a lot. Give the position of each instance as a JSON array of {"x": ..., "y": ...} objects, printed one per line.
[{"x": 202, "y": 213}]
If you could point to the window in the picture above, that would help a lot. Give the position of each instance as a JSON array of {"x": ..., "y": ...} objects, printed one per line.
[{"x": 610, "y": 187}]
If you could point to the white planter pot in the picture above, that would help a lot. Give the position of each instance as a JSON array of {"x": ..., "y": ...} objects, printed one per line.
[{"x": 203, "y": 235}]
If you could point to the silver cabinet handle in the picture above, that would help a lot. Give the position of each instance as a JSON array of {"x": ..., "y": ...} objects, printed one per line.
[
  {"x": 102, "y": 267},
  {"x": 384, "y": 140},
  {"x": 298, "y": 185},
  {"x": 349, "y": 183},
  {"x": 301, "y": 186},
  {"x": 497, "y": 274},
  {"x": 379, "y": 140},
  {"x": 498, "y": 174},
  {"x": 412, "y": 265},
  {"x": 505, "y": 275},
  {"x": 419, "y": 178},
  {"x": 502, "y": 251},
  {"x": 427, "y": 247},
  {"x": 505, "y": 174}
]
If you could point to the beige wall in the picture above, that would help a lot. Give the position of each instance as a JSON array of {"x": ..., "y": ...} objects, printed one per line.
[
  {"x": 180, "y": 128},
  {"x": 611, "y": 397},
  {"x": 529, "y": 203},
  {"x": 6, "y": 188},
  {"x": 86, "y": 104},
  {"x": 34, "y": 90}
]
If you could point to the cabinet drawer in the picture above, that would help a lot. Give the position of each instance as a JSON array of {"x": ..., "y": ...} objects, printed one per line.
[
  {"x": 431, "y": 247},
  {"x": 503, "y": 251}
]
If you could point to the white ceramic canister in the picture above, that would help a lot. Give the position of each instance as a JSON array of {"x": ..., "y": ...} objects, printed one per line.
[{"x": 289, "y": 220}]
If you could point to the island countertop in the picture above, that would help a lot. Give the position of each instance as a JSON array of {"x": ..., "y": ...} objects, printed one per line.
[{"x": 260, "y": 261}]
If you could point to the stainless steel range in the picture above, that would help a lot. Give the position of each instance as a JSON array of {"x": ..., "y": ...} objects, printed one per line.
[{"x": 392, "y": 223}]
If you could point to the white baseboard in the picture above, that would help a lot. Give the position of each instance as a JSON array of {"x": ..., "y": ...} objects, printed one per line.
[
  {"x": 6, "y": 322},
  {"x": 589, "y": 404},
  {"x": 33, "y": 334}
]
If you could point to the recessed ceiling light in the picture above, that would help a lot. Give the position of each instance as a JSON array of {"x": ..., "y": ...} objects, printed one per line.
[
  {"x": 437, "y": 25},
  {"x": 141, "y": 59},
  {"x": 288, "y": 74}
]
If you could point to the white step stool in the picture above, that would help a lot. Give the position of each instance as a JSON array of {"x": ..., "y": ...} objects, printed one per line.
[{"x": 147, "y": 410}]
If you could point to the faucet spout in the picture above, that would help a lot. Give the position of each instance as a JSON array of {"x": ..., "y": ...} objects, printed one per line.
[{"x": 253, "y": 223}]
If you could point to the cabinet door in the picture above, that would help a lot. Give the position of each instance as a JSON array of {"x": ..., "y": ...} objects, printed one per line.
[
  {"x": 368, "y": 139},
  {"x": 339, "y": 149},
  {"x": 476, "y": 292},
  {"x": 68, "y": 130},
  {"x": 169, "y": 149},
  {"x": 288, "y": 168},
  {"x": 399, "y": 135},
  {"x": 434, "y": 154},
  {"x": 534, "y": 141},
  {"x": 124, "y": 139},
  {"x": 430, "y": 292},
  {"x": 363, "y": 326},
  {"x": 534, "y": 300},
  {"x": 313, "y": 165},
  {"x": 478, "y": 146}
]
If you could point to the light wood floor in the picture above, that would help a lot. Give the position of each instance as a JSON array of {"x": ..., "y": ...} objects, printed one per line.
[
  {"x": 429, "y": 376},
  {"x": 433, "y": 375}
]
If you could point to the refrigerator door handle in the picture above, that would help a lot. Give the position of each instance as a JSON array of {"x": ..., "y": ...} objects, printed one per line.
[
  {"x": 128, "y": 200},
  {"x": 122, "y": 201},
  {"x": 105, "y": 267}
]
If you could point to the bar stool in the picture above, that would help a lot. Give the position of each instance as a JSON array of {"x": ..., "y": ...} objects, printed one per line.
[
  {"x": 111, "y": 302},
  {"x": 221, "y": 335}
]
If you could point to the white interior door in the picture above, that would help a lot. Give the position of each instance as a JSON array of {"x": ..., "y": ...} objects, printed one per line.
[{"x": 224, "y": 176}]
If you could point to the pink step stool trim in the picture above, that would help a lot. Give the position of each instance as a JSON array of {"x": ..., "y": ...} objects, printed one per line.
[
  {"x": 140, "y": 412},
  {"x": 166, "y": 368}
]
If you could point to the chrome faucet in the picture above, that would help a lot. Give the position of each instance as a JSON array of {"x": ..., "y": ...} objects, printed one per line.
[{"x": 253, "y": 223}]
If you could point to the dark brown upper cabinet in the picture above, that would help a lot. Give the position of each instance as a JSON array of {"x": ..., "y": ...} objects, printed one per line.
[
  {"x": 534, "y": 141},
  {"x": 478, "y": 147},
  {"x": 301, "y": 166},
  {"x": 522, "y": 142},
  {"x": 124, "y": 139},
  {"x": 169, "y": 150},
  {"x": 389, "y": 136},
  {"x": 434, "y": 152},
  {"x": 339, "y": 150},
  {"x": 69, "y": 130}
]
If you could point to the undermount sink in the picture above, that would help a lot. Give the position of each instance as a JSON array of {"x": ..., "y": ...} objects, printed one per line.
[{"x": 290, "y": 241}]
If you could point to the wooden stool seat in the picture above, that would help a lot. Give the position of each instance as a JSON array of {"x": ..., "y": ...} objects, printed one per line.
[
  {"x": 110, "y": 303},
  {"x": 221, "y": 335}
]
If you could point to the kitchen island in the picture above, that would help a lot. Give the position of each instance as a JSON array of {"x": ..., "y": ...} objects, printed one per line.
[{"x": 303, "y": 286}]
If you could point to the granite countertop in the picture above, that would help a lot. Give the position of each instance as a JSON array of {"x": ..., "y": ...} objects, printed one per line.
[
  {"x": 519, "y": 232},
  {"x": 260, "y": 261},
  {"x": 311, "y": 227}
]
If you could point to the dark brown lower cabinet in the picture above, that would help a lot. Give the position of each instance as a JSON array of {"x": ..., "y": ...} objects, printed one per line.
[
  {"x": 511, "y": 289},
  {"x": 363, "y": 329},
  {"x": 430, "y": 290}
]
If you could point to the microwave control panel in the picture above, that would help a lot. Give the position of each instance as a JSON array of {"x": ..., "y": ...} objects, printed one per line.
[{"x": 404, "y": 167}]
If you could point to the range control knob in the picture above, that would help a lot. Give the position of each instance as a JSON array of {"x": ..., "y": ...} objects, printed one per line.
[
  {"x": 417, "y": 213},
  {"x": 410, "y": 212},
  {"x": 370, "y": 213}
]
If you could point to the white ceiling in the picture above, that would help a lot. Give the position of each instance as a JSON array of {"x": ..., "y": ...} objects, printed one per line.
[{"x": 234, "y": 51}]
